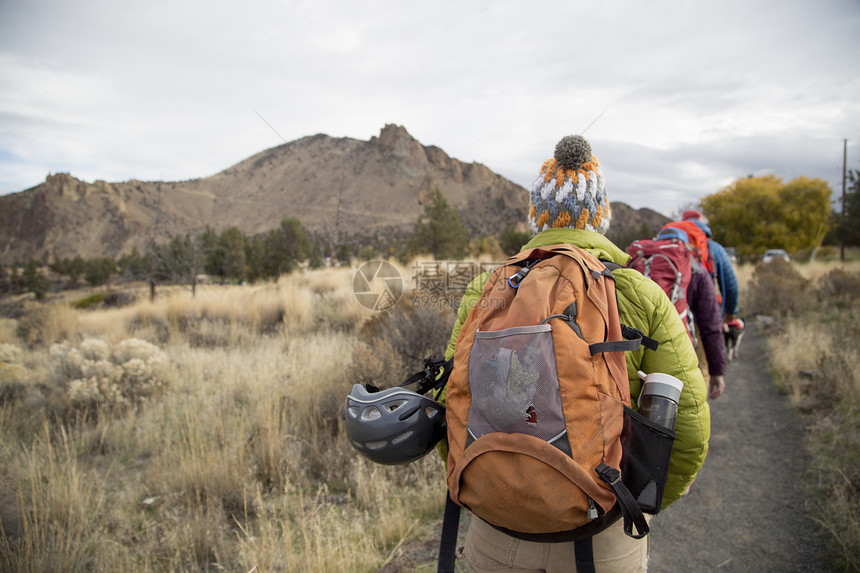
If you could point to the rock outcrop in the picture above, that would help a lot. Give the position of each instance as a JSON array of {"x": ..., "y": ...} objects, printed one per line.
[{"x": 339, "y": 188}]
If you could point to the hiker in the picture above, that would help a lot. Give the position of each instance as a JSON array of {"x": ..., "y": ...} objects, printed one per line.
[
  {"x": 569, "y": 205},
  {"x": 727, "y": 282},
  {"x": 703, "y": 304}
]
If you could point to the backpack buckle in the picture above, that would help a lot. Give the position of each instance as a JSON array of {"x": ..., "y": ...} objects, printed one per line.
[
  {"x": 608, "y": 474},
  {"x": 515, "y": 279}
]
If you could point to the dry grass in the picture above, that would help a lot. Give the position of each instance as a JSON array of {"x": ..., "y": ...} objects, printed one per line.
[
  {"x": 823, "y": 382},
  {"x": 42, "y": 325},
  {"x": 231, "y": 457},
  {"x": 8, "y": 330},
  {"x": 813, "y": 271},
  {"x": 229, "y": 454}
]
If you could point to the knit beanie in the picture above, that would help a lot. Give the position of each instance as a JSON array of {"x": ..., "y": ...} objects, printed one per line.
[
  {"x": 698, "y": 219},
  {"x": 569, "y": 190},
  {"x": 691, "y": 214}
]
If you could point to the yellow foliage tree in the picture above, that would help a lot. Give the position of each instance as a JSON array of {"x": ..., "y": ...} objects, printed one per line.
[{"x": 759, "y": 213}]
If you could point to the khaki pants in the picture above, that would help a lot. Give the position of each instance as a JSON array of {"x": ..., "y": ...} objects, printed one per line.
[{"x": 489, "y": 550}]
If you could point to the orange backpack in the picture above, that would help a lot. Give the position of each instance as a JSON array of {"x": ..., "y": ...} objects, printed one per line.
[
  {"x": 538, "y": 401},
  {"x": 698, "y": 240}
]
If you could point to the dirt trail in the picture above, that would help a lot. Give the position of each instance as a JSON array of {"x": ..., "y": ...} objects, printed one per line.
[{"x": 746, "y": 512}]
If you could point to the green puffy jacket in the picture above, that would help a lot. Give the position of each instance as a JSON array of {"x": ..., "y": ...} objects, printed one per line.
[{"x": 645, "y": 306}]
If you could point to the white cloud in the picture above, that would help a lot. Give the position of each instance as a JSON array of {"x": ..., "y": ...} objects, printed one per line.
[{"x": 694, "y": 95}]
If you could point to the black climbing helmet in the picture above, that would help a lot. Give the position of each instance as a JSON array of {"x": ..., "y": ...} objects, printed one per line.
[{"x": 393, "y": 426}]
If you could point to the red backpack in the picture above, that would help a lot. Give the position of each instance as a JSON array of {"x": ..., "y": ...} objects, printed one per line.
[{"x": 667, "y": 260}]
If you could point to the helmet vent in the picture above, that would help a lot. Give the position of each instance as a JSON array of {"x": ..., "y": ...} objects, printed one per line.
[
  {"x": 401, "y": 438},
  {"x": 375, "y": 445},
  {"x": 430, "y": 412},
  {"x": 371, "y": 413},
  {"x": 353, "y": 411},
  {"x": 408, "y": 413},
  {"x": 393, "y": 405}
]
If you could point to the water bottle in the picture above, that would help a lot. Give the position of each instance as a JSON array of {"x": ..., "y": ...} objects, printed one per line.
[{"x": 658, "y": 400}]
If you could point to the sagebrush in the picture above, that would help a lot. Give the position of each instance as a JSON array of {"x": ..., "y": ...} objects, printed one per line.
[
  {"x": 814, "y": 352},
  {"x": 204, "y": 433}
]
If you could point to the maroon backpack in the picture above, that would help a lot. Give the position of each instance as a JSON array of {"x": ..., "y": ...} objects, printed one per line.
[{"x": 666, "y": 260}]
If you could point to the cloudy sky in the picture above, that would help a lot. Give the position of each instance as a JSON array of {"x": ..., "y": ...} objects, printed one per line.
[{"x": 687, "y": 96}]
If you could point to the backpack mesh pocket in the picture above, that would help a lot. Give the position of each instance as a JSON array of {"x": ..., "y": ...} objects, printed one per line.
[{"x": 514, "y": 384}]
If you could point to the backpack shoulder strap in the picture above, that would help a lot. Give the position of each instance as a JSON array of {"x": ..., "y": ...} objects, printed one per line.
[
  {"x": 448, "y": 543},
  {"x": 633, "y": 337}
]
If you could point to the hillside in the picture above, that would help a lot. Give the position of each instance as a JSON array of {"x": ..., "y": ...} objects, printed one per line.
[{"x": 343, "y": 188}]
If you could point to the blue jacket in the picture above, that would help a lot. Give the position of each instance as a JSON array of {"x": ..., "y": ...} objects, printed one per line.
[{"x": 725, "y": 273}]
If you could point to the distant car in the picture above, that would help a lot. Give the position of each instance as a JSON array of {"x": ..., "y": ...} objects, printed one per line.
[
  {"x": 773, "y": 254},
  {"x": 733, "y": 255}
]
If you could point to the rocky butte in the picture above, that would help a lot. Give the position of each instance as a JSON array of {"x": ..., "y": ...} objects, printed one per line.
[{"x": 341, "y": 188}]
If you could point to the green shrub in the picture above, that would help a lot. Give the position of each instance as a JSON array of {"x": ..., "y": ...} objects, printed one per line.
[
  {"x": 414, "y": 331},
  {"x": 840, "y": 288},
  {"x": 777, "y": 289},
  {"x": 396, "y": 342},
  {"x": 376, "y": 362},
  {"x": 89, "y": 301},
  {"x": 118, "y": 299}
]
